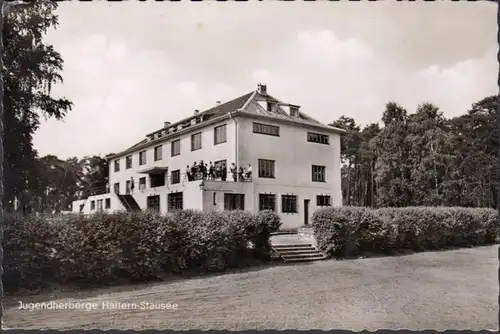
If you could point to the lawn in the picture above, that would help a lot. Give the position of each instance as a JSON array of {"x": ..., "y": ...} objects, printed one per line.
[{"x": 435, "y": 290}]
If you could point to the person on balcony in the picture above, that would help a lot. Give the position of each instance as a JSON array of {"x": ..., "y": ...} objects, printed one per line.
[
  {"x": 188, "y": 174},
  {"x": 241, "y": 172},
  {"x": 107, "y": 188},
  {"x": 211, "y": 171},
  {"x": 203, "y": 170},
  {"x": 132, "y": 184},
  {"x": 194, "y": 171},
  {"x": 234, "y": 172},
  {"x": 223, "y": 172},
  {"x": 218, "y": 171},
  {"x": 248, "y": 173}
]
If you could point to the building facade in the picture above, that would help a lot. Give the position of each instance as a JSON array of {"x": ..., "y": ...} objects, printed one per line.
[{"x": 288, "y": 162}]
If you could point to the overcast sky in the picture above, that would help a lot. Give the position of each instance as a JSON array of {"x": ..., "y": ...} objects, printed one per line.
[{"x": 130, "y": 66}]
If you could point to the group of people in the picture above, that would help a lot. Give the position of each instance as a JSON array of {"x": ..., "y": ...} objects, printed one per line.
[{"x": 217, "y": 171}]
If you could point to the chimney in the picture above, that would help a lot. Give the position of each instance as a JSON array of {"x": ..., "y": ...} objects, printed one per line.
[
  {"x": 166, "y": 124},
  {"x": 196, "y": 112},
  {"x": 262, "y": 89}
]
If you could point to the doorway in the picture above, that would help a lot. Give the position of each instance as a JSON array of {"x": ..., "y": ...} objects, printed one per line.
[{"x": 306, "y": 211}]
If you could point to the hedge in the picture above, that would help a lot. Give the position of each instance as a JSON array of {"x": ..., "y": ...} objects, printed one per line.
[
  {"x": 128, "y": 247},
  {"x": 352, "y": 231}
]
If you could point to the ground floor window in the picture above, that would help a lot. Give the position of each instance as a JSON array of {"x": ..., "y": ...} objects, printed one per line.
[
  {"x": 323, "y": 200},
  {"x": 153, "y": 203},
  {"x": 175, "y": 201},
  {"x": 107, "y": 203},
  {"x": 289, "y": 204},
  {"x": 234, "y": 202},
  {"x": 267, "y": 202}
]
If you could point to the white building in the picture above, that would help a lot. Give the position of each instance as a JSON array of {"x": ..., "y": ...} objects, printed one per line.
[{"x": 295, "y": 163}]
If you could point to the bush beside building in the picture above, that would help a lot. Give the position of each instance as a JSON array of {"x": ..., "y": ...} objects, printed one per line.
[
  {"x": 108, "y": 249},
  {"x": 354, "y": 231}
]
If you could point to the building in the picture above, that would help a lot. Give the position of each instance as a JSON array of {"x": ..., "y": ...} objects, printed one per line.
[{"x": 295, "y": 163}]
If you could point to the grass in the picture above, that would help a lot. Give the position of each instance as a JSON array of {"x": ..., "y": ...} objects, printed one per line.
[{"x": 434, "y": 290}]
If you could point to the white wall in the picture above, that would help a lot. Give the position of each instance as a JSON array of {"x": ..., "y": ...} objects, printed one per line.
[
  {"x": 208, "y": 152},
  {"x": 116, "y": 205},
  {"x": 294, "y": 157}
]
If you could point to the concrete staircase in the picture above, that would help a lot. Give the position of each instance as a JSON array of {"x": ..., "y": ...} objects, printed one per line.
[{"x": 289, "y": 248}]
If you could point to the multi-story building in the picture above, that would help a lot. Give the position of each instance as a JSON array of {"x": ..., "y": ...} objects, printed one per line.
[{"x": 294, "y": 162}]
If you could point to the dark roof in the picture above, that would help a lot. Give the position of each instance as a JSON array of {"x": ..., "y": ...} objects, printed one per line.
[{"x": 213, "y": 112}]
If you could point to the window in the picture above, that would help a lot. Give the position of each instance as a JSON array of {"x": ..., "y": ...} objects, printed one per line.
[
  {"x": 175, "y": 176},
  {"x": 234, "y": 202},
  {"x": 294, "y": 111},
  {"x": 220, "y": 134},
  {"x": 266, "y": 168},
  {"x": 92, "y": 205},
  {"x": 153, "y": 203},
  {"x": 318, "y": 138},
  {"x": 318, "y": 173},
  {"x": 176, "y": 147},
  {"x": 142, "y": 183},
  {"x": 267, "y": 202},
  {"x": 99, "y": 204},
  {"x": 174, "y": 201},
  {"x": 117, "y": 166},
  {"x": 289, "y": 204},
  {"x": 107, "y": 203},
  {"x": 196, "y": 141},
  {"x": 127, "y": 187},
  {"x": 270, "y": 106},
  {"x": 128, "y": 162},
  {"x": 116, "y": 188},
  {"x": 142, "y": 158},
  {"x": 265, "y": 129},
  {"x": 323, "y": 200},
  {"x": 158, "y": 152}
]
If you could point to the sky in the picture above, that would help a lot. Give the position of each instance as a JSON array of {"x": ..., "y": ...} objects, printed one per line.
[{"x": 130, "y": 66}]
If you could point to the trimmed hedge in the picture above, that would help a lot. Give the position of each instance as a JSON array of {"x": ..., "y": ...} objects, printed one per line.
[
  {"x": 351, "y": 231},
  {"x": 127, "y": 247}
]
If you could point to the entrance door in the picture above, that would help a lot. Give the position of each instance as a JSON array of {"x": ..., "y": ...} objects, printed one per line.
[{"x": 306, "y": 211}]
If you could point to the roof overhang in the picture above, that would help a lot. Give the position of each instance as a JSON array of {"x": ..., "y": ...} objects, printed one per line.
[{"x": 153, "y": 170}]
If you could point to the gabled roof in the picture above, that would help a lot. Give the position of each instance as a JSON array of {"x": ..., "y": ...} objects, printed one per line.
[
  {"x": 280, "y": 113},
  {"x": 214, "y": 112},
  {"x": 237, "y": 105}
]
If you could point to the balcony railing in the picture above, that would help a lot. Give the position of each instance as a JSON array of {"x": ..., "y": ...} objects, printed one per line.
[{"x": 184, "y": 178}]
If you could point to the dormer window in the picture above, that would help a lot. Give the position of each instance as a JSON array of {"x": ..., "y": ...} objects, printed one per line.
[
  {"x": 270, "y": 106},
  {"x": 294, "y": 111}
]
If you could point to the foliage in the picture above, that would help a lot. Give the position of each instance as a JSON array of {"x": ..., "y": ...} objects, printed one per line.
[
  {"x": 32, "y": 69},
  {"x": 112, "y": 248},
  {"x": 422, "y": 159},
  {"x": 355, "y": 230}
]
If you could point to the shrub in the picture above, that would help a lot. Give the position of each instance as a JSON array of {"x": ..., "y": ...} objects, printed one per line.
[
  {"x": 111, "y": 248},
  {"x": 352, "y": 230}
]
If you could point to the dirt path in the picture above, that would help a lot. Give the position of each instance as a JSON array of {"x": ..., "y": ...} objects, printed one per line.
[{"x": 454, "y": 289}]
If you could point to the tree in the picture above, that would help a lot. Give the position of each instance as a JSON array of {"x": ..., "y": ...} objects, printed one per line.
[
  {"x": 350, "y": 144},
  {"x": 392, "y": 173},
  {"x": 32, "y": 68},
  {"x": 95, "y": 174}
]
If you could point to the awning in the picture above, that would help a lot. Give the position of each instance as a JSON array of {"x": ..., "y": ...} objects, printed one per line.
[{"x": 154, "y": 170}]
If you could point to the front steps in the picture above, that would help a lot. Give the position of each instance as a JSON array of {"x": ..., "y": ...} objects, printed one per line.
[
  {"x": 298, "y": 252},
  {"x": 289, "y": 248}
]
